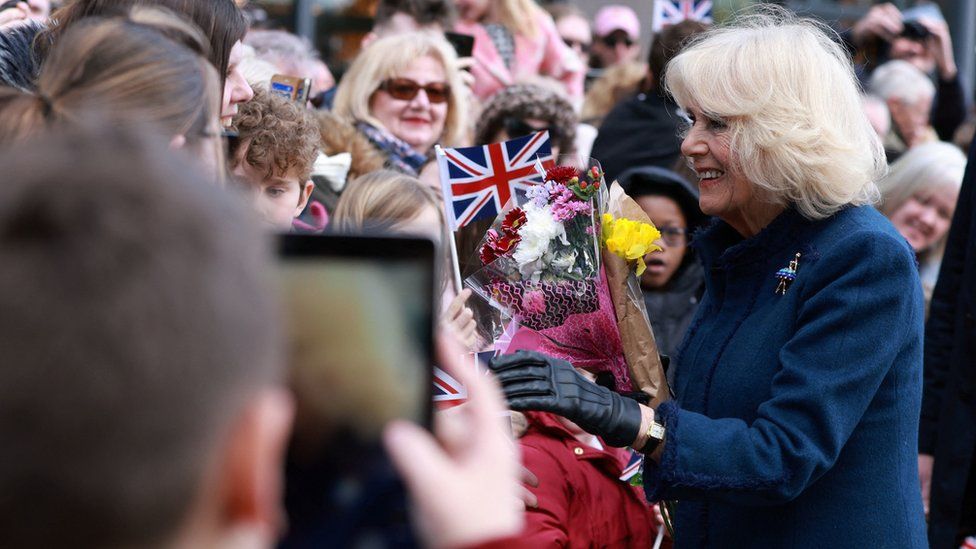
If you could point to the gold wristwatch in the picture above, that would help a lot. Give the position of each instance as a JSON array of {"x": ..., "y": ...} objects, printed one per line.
[{"x": 655, "y": 436}]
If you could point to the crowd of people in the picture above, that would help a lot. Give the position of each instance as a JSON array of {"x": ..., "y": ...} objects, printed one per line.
[{"x": 148, "y": 151}]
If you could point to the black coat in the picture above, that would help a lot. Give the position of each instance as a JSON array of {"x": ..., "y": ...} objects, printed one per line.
[{"x": 948, "y": 420}]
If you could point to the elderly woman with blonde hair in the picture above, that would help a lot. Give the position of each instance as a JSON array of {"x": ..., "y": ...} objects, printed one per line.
[
  {"x": 798, "y": 384},
  {"x": 919, "y": 197},
  {"x": 405, "y": 94}
]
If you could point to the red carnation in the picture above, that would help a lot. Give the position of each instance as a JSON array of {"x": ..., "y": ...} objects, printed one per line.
[
  {"x": 562, "y": 174},
  {"x": 498, "y": 245},
  {"x": 513, "y": 220}
]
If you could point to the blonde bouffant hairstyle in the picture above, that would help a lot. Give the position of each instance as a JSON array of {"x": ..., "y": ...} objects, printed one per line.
[
  {"x": 787, "y": 90},
  {"x": 382, "y": 60}
]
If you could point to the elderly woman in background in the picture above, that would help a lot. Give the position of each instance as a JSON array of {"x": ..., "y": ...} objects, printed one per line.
[
  {"x": 919, "y": 197},
  {"x": 909, "y": 94},
  {"x": 404, "y": 93},
  {"x": 792, "y": 425},
  {"x": 515, "y": 40}
]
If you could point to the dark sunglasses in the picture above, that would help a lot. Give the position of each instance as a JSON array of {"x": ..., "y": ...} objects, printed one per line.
[
  {"x": 611, "y": 41},
  {"x": 573, "y": 44},
  {"x": 516, "y": 127},
  {"x": 405, "y": 89}
]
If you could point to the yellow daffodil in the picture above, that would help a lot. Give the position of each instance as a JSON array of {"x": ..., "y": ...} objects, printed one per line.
[{"x": 629, "y": 239}]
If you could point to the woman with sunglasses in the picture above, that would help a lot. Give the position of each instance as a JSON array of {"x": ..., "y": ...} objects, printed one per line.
[
  {"x": 515, "y": 40},
  {"x": 404, "y": 93}
]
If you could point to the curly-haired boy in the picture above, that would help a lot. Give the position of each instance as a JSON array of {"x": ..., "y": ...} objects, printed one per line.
[{"x": 278, "y": 144}]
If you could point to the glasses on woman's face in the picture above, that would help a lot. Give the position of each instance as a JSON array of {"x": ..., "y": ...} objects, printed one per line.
[
  {"x": 406, "y": 89},
  {"x": 612, "y": 40},
  {"x": 674, "y": 236},
  {"x": 516, "y": 127}
]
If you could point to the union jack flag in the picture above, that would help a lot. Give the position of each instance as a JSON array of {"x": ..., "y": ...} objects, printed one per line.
[
  {"x": 448, "y": 392},
  {"x": 671, "y": 12},
  {"x": 479, "y": 181},
  {"x": 633, "y": 466}
]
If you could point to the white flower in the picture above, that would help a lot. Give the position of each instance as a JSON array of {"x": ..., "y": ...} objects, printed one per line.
[
  {"x": 564, "y": 261},
  {"x": 536, "y": 234}
]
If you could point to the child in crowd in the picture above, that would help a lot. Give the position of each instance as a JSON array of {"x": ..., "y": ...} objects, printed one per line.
[
  {"x": 673, "y": 282},
  {"x": 277, "y": 146},
  {"x": 393, "y": 202},
  {"x": 582, "y": 500}
]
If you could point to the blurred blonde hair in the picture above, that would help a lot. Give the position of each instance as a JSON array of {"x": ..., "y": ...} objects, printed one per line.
[
  {"x": 386, "y": 57},
  {"x": 383, "y": 197},
  {"x": 787, "y": 90},
  {"x": 519, "y": 16}
]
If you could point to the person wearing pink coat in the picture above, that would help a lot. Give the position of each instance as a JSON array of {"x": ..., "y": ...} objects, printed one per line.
[{"x": 515, "y": 40}]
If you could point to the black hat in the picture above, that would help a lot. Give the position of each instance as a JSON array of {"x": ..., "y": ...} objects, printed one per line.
[{"x": 653, "y": 180}]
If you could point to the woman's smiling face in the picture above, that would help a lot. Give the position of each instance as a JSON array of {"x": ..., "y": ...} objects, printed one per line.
[
  {"x": 724, "y": 192},
  {"x": 925, "y": 217},
  {"x": 418, "y": 121}
]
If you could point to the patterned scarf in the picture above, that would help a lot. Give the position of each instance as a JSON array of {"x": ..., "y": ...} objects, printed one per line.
[{"x": 399, "y": 155}]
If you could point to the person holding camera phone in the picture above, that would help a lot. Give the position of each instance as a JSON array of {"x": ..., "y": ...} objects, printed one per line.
[{"x": 924, "y": 41}]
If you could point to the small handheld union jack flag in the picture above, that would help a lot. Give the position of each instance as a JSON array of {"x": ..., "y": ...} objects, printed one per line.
[
  {"x": 672, "y": 12},
  {"x": 448, "y": 392},
  {"x": 479, "y": 181}
]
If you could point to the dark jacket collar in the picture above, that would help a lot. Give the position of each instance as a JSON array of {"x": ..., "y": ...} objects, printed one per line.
[{"x": 720, "y": 246}]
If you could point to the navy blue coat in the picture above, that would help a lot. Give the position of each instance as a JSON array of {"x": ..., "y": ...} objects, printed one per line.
[
  {"x": 948, "y": 428},
  {"x": 795, "y": 423}
]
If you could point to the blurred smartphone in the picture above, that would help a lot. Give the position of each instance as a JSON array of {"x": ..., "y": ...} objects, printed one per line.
[
  {"x": 360, "y": 318},
  {"x": 463, "y": 43},
  {"x": 291, "y": 87}
]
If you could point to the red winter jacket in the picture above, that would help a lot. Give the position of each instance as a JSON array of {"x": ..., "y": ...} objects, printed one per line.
[{"x": 582, "y": 501}]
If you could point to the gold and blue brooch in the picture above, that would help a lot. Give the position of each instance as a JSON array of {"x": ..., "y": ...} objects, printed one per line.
[{"x": 787, "y": 275}]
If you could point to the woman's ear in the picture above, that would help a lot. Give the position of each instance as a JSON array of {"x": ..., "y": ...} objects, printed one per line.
[{"x": 177, "y": 142}]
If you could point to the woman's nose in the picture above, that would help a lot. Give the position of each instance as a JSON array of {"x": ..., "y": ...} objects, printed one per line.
[
  {"x": 421, "y": 101},
  {"x": 693, "y": 144},
  {"x": 928, "y": 216}
]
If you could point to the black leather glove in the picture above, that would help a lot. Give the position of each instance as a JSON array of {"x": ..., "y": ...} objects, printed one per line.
[{"x": 534, "y": 381}]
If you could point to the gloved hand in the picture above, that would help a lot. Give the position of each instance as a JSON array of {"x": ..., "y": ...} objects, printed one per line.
[{"x": 534, "y": 381}]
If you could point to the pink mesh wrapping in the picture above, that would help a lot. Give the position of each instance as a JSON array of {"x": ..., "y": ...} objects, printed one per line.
[{"x": 589, "y": 339}]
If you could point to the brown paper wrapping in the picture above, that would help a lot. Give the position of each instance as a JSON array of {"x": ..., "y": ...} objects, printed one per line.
[{"x": 640, "y": 348}]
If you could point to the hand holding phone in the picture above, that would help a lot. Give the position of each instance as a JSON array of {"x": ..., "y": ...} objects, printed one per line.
[
  {"x": 442, "y": 470},
  {"x": 292, "y": 88}
]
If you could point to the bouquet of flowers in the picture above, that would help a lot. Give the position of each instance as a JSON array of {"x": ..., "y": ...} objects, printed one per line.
[{"x": 545, "y": 268}]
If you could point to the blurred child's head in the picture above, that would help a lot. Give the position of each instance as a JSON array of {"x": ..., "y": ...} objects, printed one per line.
[
  {"x": 278, "y": 143},
  {"x": 388, "y": 200},
  {"x": 672, "y": 204}
]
